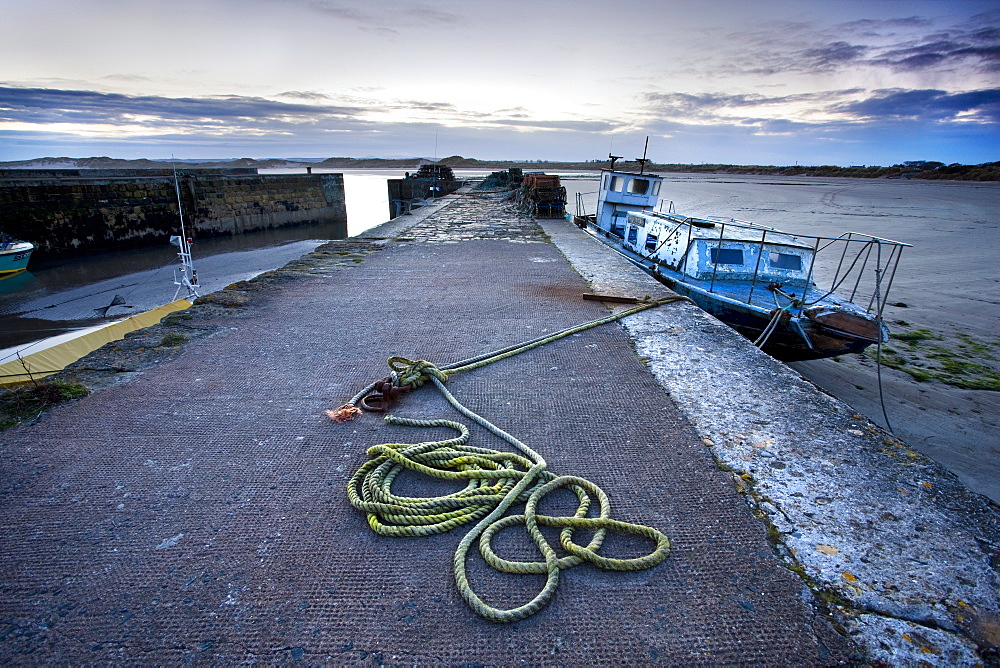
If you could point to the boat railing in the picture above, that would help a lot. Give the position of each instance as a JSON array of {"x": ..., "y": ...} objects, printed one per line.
[
  {"x": 887, "y": 254},
  {"x": 856, "y": 251}
]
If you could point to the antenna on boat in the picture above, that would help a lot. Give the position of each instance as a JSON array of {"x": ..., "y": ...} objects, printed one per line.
[
  {"x": 613, "y": 158},
  {"x": 185, "y": 276},
  {"x": 642, "y": 160}
]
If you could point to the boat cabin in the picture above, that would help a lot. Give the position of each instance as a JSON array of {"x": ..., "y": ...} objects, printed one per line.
[
  {"x": 718, "y": 249},
  {"x": 622, "y": 193}
]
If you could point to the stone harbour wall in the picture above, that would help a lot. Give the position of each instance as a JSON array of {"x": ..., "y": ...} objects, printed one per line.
[{"x": 74, "y": 212}]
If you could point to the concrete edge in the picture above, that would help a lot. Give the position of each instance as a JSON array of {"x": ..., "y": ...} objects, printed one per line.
[
  {"x": 903, "y": 556},
  {"x": 396, "y": 226}
]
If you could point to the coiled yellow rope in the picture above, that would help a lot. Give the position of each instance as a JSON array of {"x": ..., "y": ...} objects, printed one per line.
[{"x": 494, "y": 482}]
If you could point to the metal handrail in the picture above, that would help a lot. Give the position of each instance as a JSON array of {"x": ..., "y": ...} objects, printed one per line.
[{"x": 756, "y": 269}]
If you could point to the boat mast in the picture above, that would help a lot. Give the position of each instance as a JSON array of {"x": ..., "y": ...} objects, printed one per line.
[
  {"x": 185, "y": 276},
  {"x": 642, "y": 160}
]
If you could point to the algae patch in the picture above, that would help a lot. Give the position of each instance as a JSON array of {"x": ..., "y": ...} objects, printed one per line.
[
  {"x": 959, "y": 360},
  {"x": 174, "y": 339},
  {"x": 26, "y": 402}
]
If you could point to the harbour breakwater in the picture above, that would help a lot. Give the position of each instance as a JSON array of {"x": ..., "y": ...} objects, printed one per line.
[{"x": 74, "y": 212}]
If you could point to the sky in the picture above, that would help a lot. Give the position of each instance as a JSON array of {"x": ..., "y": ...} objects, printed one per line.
[{"x": 770, "y": 82}]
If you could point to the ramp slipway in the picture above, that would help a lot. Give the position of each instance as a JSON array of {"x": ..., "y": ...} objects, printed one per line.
[{"x": 197, "y": 513}]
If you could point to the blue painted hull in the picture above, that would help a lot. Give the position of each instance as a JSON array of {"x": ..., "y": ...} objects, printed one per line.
[
  {"x": 795, "y": 337},
  {"x": 14, "y": 259}
]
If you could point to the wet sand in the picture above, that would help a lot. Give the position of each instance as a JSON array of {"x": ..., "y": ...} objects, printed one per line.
[{"x": 949, "y": 282}]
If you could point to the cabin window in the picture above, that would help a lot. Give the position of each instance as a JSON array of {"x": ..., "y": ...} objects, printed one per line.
[
  {"x": 726, "y": 255},
  {"x": 616, "y": 184},
  {"x": 633, "y": 235},
  {"x": 638, "y": 186},
  {"x": 785, "y": 261},
  {"x": 656, "y": 188},
  {"x": 651, "y": 242}
]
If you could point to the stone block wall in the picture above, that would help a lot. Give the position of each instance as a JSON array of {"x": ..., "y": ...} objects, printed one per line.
[{"x": 74, "y": 212}]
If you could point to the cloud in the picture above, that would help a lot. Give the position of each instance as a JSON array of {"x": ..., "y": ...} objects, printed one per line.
[
  {"x": 593, "y": 126},
  {"x": 342, "y": 10},
  {"x": 44, "y": 105},
  {"x": 943, "y": 52},
  {"x": 73, "y": 119},
  {"x": 387, "y": 18},
  {"x": 38, "y": 106},
  {"x": 872, "y": 27},
  {"x": 304, "y": 95},
  {"x": 982, "y": 106},
  {"x": 906, "y": 44},
  {"x": 832, "y": 56},
  {"x": 720, "y": 106},
  {"x": 934, "y": 47},
  {"x": 420, "y": 105},
  {"x": 878, "y": 122}
]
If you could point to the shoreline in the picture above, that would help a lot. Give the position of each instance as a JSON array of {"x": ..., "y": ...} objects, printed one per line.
[{"x": 917, "y": 170}]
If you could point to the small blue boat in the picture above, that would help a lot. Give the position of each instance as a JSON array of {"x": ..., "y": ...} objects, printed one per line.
[
  {"x": 758, "y": 280},
  {"x": 14, "y": 256}
]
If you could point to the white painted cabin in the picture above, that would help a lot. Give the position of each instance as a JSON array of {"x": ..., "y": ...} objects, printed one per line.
[
  {"x": 718, "y": 249},
  {"x": 622, "y": 193}
]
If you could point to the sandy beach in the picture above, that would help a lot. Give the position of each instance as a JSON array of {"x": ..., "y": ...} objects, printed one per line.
[{"x": 944, "y": 310}]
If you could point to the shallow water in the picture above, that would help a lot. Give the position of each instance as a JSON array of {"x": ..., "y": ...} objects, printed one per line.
[{"x": 61, "y": 296}]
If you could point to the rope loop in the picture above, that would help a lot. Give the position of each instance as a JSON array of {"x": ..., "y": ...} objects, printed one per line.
[
  {"x": 494, "y": 481},
  {"x": 412, "y": 373},
  {"x": 578, "y": 554}
]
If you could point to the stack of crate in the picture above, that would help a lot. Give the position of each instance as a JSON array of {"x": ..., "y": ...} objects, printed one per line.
[{"x": 544, "y": 195}]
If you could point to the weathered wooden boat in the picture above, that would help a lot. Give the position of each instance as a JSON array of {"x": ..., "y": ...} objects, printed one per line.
[
  {"x": 14, "y": 255},
  {"x": 760, "y": 281}
]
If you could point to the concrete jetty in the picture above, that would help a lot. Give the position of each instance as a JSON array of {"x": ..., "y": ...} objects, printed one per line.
[{"x": 192, "y": 508}]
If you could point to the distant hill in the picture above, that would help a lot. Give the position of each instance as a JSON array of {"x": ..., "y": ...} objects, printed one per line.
[{"x": 919, "y": 169}]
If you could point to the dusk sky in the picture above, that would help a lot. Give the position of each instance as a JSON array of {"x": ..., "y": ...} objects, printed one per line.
[{"x": 719, "y": 81}]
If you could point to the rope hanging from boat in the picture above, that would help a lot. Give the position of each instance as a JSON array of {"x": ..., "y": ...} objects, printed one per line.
[
  {"x": 495, "y": 481},
  {"x": 877, "y": 297},
  {"x": 773, "y": 324}
]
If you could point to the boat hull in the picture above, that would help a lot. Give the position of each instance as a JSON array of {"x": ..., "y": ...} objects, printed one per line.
[
  {"x": 788, "y": 341},
  {"x": 14, "y": 258},
  {"x": 796, "y": 336}
]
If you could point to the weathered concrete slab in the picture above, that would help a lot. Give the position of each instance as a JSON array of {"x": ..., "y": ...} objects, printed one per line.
[
  {"x": 197, "y": 513},
  {"x": 904, "y": 553}
]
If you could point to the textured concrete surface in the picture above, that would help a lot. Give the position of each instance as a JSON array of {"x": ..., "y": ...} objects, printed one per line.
[{"x": 195, "y": 511}]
